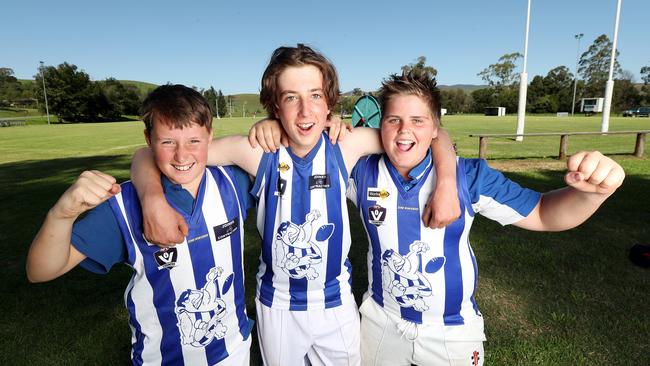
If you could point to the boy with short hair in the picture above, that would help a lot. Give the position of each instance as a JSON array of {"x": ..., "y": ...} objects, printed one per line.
[
  {"x": 305, "y": 307},
  {"x": 420, "y": 307},
  {"x": 186, "y": 304}
]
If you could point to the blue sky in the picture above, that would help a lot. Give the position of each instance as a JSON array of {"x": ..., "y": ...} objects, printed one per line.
[{"x": 228, "y": 44}]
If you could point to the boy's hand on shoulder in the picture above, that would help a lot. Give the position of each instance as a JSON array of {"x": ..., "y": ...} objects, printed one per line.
[
  {"x": 269, "y": 134},
  {"x": 89, "y": 190},
  {"x": 592, "y": 172},
  {"x": 336, "y": 129},
  {"x": 162, "y": 225}
]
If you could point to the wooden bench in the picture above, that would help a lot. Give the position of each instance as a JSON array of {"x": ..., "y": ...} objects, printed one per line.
[
  {"x": 12, "y": 122},
  {"x": 564, "y": 140}
]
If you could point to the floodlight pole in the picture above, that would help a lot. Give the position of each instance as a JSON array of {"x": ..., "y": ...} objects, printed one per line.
[
  {"x": 523, "y": 85},
  {"x": 575, "y": 79},
  {"x": 243, "y": 110},
  {"x": 47, "y": 108},
  {"x": 604, "y": 127}
]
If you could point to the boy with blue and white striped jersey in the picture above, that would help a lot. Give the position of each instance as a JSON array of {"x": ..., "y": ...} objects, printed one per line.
[
  {"x": 186, "y": 303},
  {"x": 305, "y": 307},
  {"x": 420, "y": 307}
]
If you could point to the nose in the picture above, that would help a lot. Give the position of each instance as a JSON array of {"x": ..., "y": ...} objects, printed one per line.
[
  {"x": 181, "y": 153},
  {"x": 303, "y": 107}
]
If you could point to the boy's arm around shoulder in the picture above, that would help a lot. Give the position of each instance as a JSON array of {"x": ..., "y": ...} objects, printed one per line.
[
  {"x": 161, "y": 223},
  {"x": 51, "y": 253},
  {"x": 591, "y": 179}
]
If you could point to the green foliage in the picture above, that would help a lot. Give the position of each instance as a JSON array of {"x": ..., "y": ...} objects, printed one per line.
[
  {"x": 455, "y": 101},
  {"x": 221, "y": 104},
  {"x": 552, "y": 93},
  {"x": 210, "y": 96},
  {"x": 502, "y": 74},
  {"x": 625, "y": 95},
  {"x": 482, "y": 98},
  {"x": 594, "y": 66},
  {"x": 420, "y": 67}
]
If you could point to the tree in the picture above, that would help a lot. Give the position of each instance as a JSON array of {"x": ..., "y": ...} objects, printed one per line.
[
  {"x": 221, "y": 104},
  {"x": 357, "y": 92},
  {"x": 68, "y": 91},
  {"x": 482, "y": 98},
  {"x": 594, "y": 63},
  {"x": 123, "y": 99},
  {"x": 502, "y": 73},
  {"x": 645, "y": 76},
  {"x": 625, "y": 95},
  {"x": 455, "y": 100},
  {"x": 210, "y": 96},
  {"x": 420, "y": 67},
  {"x": 10, "y": 87}
]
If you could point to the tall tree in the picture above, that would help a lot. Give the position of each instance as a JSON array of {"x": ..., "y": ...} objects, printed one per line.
[
  {"x": 502, "y": 73},
  {"x": 420, "y": 67},
  {"x": 645, "y": 76},
  {"x": 68, "y": 91},
  {"x": 594, "y": 63},
  {"x": 221, "y": 104},
  {"x": 210, "y": 96}
]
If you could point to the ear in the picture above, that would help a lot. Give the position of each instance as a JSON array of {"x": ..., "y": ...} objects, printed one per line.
[{"x": 435, "y": 132}]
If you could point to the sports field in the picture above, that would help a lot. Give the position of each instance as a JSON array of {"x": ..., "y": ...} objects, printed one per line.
[{"x": 570, "y": 298}]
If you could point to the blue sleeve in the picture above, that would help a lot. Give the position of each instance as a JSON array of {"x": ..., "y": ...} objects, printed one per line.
[
  {"x": 98, "y": 237},
  {"x": 243, "y": 185},
  {"x": 261, "y": 172},
  {"x": 489, "y": 186}
]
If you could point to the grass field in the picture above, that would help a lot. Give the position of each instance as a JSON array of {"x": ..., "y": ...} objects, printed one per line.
[{"x": 570, "y": 298}]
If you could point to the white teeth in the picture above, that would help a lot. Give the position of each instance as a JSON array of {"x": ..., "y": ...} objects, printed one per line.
[
  {"x": 183, "y": 168},
  {"x": 405, "y": 142},
  {"x": 305, "y": 126}
]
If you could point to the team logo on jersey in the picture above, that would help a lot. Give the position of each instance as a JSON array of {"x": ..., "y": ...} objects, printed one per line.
[
  {"x": 281, "y": 187},
  {"x": 200, "y": 311},
  {"x": 297, "y": 246},
  {"x": 377, "y": 194},
  {"x": 283, "y": 167},
  {"x": 376, "y": 215},
  {"x": 225, "y": 230},
  {"x": 403, "y": 279},
  {"x": 166, "y": 258},
  {"x": 319, "y": 181}
]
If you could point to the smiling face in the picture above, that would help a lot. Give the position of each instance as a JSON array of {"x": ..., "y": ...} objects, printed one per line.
[
  {"x": 301, "y": 106},
  {"x": 407, "y": 128},
  {"x": 180, "y": 154}
]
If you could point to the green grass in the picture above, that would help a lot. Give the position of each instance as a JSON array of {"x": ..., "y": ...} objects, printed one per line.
[{"x": 570, "y": 298}]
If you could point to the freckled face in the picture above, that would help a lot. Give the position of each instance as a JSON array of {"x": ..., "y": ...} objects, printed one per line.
[
  {"x": 301, "y": 107},
  {"x": 181, "y": 154},
  {"x": 407, "y": 128}
]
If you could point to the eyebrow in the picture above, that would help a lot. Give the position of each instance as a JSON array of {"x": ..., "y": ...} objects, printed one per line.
[{"x": 295, "y": 92}]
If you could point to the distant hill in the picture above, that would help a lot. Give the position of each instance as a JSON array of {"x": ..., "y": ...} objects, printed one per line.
[
  {"x": 143, "y": 87},
  {"x": 468, "y": 88}
]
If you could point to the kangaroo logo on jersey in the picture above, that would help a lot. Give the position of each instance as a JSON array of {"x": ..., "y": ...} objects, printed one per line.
[
  {"x": 376, "y": 215},
  {"x": 402, "y": 277},
  {"x": 296, "y": 248},
  {"x": 166, "y": 258},
  {"x": 199, "y": 312}
]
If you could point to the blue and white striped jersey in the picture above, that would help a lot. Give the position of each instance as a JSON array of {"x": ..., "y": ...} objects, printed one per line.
[
  {"x": 420, "y": 274},
  {"x": 303, "y": 221},
  {"x": 186, "y": 304}
]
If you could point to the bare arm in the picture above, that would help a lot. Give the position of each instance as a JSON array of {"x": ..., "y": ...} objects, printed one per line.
[
  {"x": 591, "y": 179},
  {"x": 51, "y": 254},
  {"x": 156, "y": 212},
  {"x": 443, "y": 207}
]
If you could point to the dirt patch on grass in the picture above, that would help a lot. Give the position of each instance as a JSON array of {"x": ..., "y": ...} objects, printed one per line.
[{"x": 527, "y": 165}]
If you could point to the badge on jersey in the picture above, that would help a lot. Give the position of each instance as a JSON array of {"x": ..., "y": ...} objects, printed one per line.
[
  {"x": 378, "y": 194},
  {"x": 225, "y": 230},
  {"x": 317, "y": 181},
  {"x": 376, "y": 215},
  {"x": 166, "y": 258}
]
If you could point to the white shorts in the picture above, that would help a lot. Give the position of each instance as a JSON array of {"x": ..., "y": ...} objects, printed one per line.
[
  {"x": 386, "y": 339},
  {"x": 316, "y": 337},
  {"x": 240, "y": 355}
]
